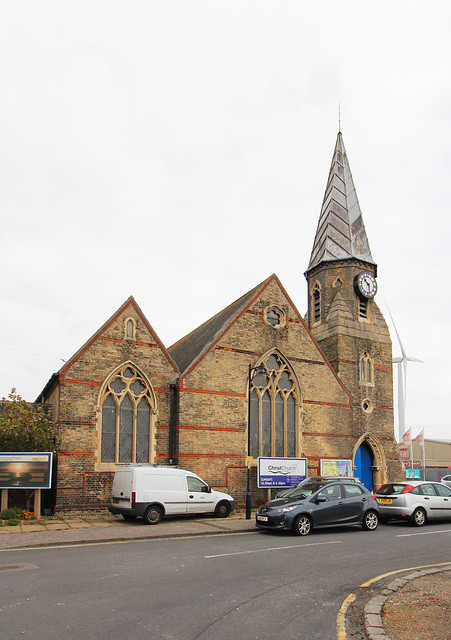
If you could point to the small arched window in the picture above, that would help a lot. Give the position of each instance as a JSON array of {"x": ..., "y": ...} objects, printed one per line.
[
  {"x": 316, "y": 304},
  {"x": 366, "y": 369},
  {"x": 130, "y": 329},
  {"x": 128, "y": 406},
  {"x": 274, "y": 399}
]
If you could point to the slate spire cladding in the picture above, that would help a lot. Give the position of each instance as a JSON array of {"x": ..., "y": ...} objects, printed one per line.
[{"x": 341, "y": 233}]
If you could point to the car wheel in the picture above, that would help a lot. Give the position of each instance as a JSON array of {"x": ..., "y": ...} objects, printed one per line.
[
  {"x": 222, "y": 510},
  {"x": 370, "y": 521},
  {"x": 302, "y": 525},
  {"x": 418, "y": 518},
  {"x": 153, "y": 515},
  {"x": 126, "y": 516}
]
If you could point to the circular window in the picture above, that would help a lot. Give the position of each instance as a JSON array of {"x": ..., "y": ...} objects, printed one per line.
[{"x": 275, "y": 317}]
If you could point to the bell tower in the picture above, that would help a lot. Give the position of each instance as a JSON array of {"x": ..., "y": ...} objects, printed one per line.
[{"x": 342, "y": 313}]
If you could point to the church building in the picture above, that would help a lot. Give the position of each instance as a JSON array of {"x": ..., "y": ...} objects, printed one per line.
[{"x": 256, "y": 375}]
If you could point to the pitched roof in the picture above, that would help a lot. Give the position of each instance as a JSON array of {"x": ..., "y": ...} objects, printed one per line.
[
  {"x": 341, "y": 233},
  {"x": 189, "y": 349},
  {"x": 129, "y": 302}
]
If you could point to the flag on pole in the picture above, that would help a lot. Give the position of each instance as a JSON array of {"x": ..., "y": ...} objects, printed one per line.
[
  {"x": 407, "y": 438},
  {"x": 420, "y": 438}
]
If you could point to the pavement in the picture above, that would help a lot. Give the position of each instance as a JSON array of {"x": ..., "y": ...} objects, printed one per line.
[{"x": 379, "y": 592}]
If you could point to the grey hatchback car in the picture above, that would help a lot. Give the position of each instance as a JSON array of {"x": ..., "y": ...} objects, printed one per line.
[
  {"x": 319, "y": 504},
  {"x": 414, "y": 501}
]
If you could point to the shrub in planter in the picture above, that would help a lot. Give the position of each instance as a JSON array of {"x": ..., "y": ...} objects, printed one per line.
[
  {"x": 11, "y": 512},
  {"x": 13, "y": 522}
]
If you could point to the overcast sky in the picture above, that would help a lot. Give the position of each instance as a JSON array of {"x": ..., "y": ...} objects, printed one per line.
[{"x": 179, "y": 152}]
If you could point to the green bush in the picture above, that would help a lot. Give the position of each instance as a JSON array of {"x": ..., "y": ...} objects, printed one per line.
[
  {"x": 11, "y": 512},
  {"x": 13, "y": 522}
]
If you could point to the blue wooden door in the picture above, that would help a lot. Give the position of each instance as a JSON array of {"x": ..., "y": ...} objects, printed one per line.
[{"x": 363, "y": 461}]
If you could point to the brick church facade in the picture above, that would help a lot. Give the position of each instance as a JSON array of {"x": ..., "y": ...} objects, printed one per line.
[{"x": 323, "y": 389}]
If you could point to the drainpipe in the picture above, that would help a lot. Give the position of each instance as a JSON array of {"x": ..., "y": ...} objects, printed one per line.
[{"x": 172, "y": 420}]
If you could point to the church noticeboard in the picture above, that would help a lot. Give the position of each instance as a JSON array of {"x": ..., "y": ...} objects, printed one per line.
[
  {"x": 281, "y": 472},
  {"x": 25, "y": 470},
  {"x": 341, "y": 468}
]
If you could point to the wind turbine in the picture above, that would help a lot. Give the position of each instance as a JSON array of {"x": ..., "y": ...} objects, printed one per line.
[{"x": 402, "y": 381}]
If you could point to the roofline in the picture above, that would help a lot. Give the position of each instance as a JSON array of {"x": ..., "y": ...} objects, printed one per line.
[{"x": 259, "y": 290}]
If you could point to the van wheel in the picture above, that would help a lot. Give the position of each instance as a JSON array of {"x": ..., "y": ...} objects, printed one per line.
[
  {"x": 222, "y": 510},
  {"x": 153, "y": 515}
]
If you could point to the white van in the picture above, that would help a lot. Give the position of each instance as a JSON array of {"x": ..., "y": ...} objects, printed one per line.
[{"x": 153, "y": 491}]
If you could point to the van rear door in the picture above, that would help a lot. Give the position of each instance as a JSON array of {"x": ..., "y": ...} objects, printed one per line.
[{"x": 122, "y": 489}]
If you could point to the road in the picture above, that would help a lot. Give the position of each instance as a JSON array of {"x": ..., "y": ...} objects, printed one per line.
[{"x": 247, "y": 586}]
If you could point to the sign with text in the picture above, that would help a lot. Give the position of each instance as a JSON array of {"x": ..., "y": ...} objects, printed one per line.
[
  {"x": 26, "y": 470},
  {"x": 339, "y": 468},
  {"x": 281, "y": 472},
  {"x": 412, "y": 463}
]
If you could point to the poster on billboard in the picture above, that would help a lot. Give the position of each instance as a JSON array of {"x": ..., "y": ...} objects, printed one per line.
[
  {"x": 340, "y": 468},
  {"x": 26, "y": 470},
  {"x": 281, "y": 472}
]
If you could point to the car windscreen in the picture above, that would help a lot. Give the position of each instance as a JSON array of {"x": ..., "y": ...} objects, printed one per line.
[
  {"x": 391, "y": 489},
  {"x": 304, "y": 490}
]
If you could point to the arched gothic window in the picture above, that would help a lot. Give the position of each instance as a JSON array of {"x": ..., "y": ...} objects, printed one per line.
[
  {"x": 366, "y": 369},
  {"x": 274, "y": 399},
  {"x": 128, "y": 405}
]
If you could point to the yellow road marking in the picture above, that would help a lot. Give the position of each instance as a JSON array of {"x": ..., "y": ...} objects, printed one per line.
[{"x": 341, "y": 618}]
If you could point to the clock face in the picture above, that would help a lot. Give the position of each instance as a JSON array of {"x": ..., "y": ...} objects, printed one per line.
[{"x": 366, "y": 285}]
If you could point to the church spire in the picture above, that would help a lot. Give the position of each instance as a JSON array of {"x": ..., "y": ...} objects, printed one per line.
[{"x": 341, "y": 233}]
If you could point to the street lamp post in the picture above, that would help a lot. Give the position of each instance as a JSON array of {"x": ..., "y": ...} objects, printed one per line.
[{"x": 261, "y": 370}]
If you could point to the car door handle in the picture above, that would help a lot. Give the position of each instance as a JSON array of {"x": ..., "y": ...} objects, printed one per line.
[
  {"x": 191, "y": 496},
  {"x": 426, "y": 498}
]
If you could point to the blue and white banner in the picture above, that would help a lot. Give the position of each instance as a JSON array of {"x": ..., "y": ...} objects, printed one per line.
[{"x": 281, "y": 472}]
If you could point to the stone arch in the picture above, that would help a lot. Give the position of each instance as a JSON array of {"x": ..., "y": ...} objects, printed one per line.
[{"x": 379, "y": 464}]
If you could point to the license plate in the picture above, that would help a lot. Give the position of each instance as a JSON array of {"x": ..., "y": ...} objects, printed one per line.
[
  {"x": 386, "y": 500},
  {"x": 262, "y": 518},
  {"x": 115, "y": 500}
]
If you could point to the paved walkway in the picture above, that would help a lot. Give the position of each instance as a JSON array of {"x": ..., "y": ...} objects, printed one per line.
[{"x": 109, "y": 528}]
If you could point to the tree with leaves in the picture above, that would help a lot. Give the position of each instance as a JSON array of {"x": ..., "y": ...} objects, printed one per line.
[{"x": 26, "y": 427}]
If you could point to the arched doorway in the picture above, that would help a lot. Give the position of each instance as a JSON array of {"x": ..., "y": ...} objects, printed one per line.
[{"x": 363, "y": 463}]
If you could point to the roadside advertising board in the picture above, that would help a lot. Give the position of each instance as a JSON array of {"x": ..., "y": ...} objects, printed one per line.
[
  {"x": 281, "y": 472},
  {"x": 340, "y": 468},
  {"x": 26, "y": 470}
]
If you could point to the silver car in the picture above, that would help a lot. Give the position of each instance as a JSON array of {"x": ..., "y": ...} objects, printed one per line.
[
  {"x": 414, "y": 501},
  {"x": 446, "y": 480}
]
